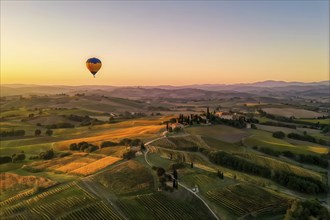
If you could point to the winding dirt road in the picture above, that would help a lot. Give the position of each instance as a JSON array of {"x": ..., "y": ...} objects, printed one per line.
[{"x": 180, "y": 184}]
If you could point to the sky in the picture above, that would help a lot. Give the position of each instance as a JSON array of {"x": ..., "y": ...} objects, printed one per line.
[{"x": 164, "y": 42}]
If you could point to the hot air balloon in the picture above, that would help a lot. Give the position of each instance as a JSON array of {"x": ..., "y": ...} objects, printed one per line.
[{"x": 93, "y": 65}]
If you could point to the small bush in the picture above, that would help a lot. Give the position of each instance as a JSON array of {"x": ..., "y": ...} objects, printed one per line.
[
  {"x": 5, "y": 159},
  {"x": 47, "y": 155},
  {"x": 175, "y": 166},
  {"x": 18, "y": 157},
  {"x": 108, "y": 144},
  {"x": 64, "y": 154},
  {"x": 129, "y": 155},
  {"x": 279, "y": 134}
]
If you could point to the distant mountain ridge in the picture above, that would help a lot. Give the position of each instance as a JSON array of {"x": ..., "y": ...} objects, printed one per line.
[{"x": 265, "y": 88}]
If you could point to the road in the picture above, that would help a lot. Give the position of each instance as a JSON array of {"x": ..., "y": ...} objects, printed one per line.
[{"x": 180, "y": 184}]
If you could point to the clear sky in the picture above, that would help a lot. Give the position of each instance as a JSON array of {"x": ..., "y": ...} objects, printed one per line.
[{"x": 158, "y": 43}]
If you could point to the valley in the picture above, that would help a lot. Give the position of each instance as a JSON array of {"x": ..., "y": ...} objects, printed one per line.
[{"x": 161, "y": 153}]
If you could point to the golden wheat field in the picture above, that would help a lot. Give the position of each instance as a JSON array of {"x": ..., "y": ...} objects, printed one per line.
[
  {"x": 95, "y": 166},
  {"x": 61, "y": 164},
  {"x": 76, "y": 164},
  {"x": 115, "y": 151},
  {"x": 130, "y": 132},
  {"x": 11, "y": 181}
]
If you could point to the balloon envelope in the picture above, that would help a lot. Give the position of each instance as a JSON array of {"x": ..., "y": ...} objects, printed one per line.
[{"x": 93, "y": 65}]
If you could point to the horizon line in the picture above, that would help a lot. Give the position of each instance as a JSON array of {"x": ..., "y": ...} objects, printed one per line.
[{"x": 160, "y": 85}]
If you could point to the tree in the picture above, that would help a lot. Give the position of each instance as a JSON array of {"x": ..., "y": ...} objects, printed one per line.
[
  {"x": 309, "y": 209},
  {"x": 160, "y": 171},
  {"x": 135, "y": 142},
  {"x": 162, "y": 182},
  {"x": 129, "y": 155},
  {"x": 5, "y": 159},
  {"x": 108, "y": 144},
  {"x": 143, "y": 148},
  {"x": 125, "y": 141},
  {"x": 191, "y": 165},
  {"x": 219, "y": 174},
  {"x": 279, "y": 134},
  {"x": 49, "y": 132},
  {"x": 208, "y": 113},
  {"x": 18, "y": 157},
  {"x": 175, "y": 174},
  {"x": 47, "y": 155},
  {"x": 37, "y": 132}
]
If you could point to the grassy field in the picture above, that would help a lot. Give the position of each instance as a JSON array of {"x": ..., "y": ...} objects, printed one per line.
[
  {"x": 325, "y": 121},
  {"x": 131, "y": 185},
  {"x": 222, "y": 145},
  {"x": 288, "y": 112},
  {"x": 313, "y": 132},
  {"x": 221, "y": 132},
  {"x": 95, "y": 166},
  {"x": 181, "y": 142},
  {"x": 275, "y": 128},
  {"x": 66, "y": 201},
  {"x": 162, "y": 205},
  {"x": 278, "y": 165},
  {"x": 12, "y": 184},
  {"x": 127, "y": 178},
  {"x": 114, "y": 135},
  {"x": 62, "y": 138},
  {"x": 247, "y": 200},
  {"x": 265, "y": 139}
]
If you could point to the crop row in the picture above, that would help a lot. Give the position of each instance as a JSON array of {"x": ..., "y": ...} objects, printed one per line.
[
  {"x": 164, "y": 142},
  {"x": 162, "y": 207},
  {"x": 202, "y": 179},
  {"x": 241, "y": 199},
  {"x": 131, "y": 211},
  {"x": 50, "y": 192},
  {"x": 16, "y": 217},
  {"x": 43, "y": 209},
  {"x": 250, "y": 204},
  {"x": 227, "y": 203},
  {"x": 52, "y": 209},
  {"x": 92, "y": 211},
  {"x": 17, "y": 197}
]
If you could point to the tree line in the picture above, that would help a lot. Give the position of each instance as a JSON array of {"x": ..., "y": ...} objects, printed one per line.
[
  {"x": 288, "y": 179},
  {"x": 317, "y": 160},
  {"x": 301, "y": 137},
  {"x": 309, "y": 209},
  {"x": 12, "y": 133}
]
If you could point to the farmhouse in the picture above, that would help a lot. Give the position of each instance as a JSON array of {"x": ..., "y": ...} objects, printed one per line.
[
  {"x": 230, "y": 116},
  {"x": 177, "y": 125},
  {"x": 225, "y": 115}
]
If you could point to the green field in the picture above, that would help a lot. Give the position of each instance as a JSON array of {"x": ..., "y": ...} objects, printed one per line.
[
  {"x": 320, "y": 121},
  {"x": 221, "y": 132},
  {"x": 111, "y": 187},
  {"x": 288, "y": 112},
  {"x": 265, "y": 139},
  {"x": 247, "y": 200},
  {"x": 140, "y": 179},
  {"x": 54, "y": 202}
]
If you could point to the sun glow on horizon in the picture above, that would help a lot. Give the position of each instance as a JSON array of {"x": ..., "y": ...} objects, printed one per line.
[{"x": 164, "y": 43}]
